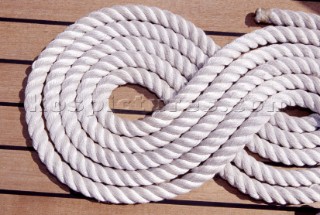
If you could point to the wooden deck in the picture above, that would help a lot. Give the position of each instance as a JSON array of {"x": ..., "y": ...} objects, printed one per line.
[{"x": 26, "y": 27}]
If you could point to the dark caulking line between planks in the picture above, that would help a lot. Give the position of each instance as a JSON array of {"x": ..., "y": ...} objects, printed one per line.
[
  {"x": 11, "y": 104},
  {"x": 74, "y": 195},
  {"x": 35, "y": 21},
  {"x": 318, "y": 1},
  {"x": 19, "y": 148},
  {"x": 16, "y": 61},
  {"x": 223, "y": 33}
]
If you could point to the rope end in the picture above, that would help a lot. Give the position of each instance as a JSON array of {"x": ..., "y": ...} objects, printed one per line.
[{"x": 262, "y": 15}]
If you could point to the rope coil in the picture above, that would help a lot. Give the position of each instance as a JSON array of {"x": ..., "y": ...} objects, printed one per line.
[{"x": 190, "y": 139}]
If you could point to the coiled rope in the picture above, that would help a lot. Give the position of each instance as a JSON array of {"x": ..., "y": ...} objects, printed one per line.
[{"x": 181, "y": 146}]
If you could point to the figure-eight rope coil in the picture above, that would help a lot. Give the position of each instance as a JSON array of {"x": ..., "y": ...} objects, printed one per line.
[{"x": 217, "y": 103}]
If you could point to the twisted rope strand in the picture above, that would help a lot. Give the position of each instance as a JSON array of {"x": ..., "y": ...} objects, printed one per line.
[{"x": 217, "y": 102}]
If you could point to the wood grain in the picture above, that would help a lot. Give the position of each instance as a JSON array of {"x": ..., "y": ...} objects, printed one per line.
[
  {"x": 28, "y": 175},
  {"x": 25, "y": 41},
  {"x": 13, "y": 81}
]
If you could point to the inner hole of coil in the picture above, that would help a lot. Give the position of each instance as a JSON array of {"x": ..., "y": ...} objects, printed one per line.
[{"x": 134, "y": 102}]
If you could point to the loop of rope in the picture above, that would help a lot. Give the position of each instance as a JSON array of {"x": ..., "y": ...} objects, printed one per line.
[{"x": 217, "y": 103}]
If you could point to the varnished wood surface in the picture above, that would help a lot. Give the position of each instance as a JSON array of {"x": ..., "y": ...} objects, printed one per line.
[{"x": 26, "y": 187}]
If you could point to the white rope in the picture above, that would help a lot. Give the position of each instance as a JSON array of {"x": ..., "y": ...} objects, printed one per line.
[{"x": 217, "y": 102}]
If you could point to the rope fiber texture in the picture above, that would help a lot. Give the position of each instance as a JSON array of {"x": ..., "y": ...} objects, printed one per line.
[{"x": 216, "y": 114}]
